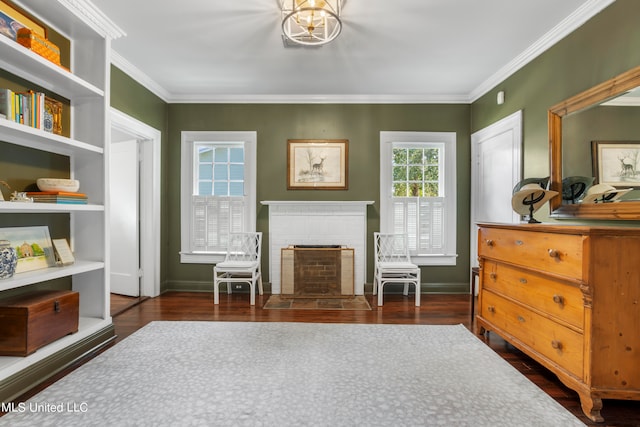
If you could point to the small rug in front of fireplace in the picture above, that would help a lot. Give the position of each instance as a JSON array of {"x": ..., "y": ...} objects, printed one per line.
[{"x": 357, "y": 302}]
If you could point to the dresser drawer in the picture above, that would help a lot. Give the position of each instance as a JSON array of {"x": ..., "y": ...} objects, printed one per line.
[
  {"x": 559, "y": 300},
  {"x": 549, "y": 252},
  {"x": 557, "y": 343}
]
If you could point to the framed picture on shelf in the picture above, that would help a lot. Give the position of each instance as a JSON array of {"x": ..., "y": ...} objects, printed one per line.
[
  {"x": 64, "y": 256},
  {"x": 317, "y": 164},
  {"x": 33, "y": 247},
  {"x": 12, "y": 19},
  {"x": 616, "y": 163}
]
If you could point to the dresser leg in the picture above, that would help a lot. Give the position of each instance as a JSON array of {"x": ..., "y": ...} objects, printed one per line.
[{"x": 591, "y": 406}]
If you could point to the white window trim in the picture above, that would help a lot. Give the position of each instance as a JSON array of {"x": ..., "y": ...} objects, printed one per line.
[
  {"x": 249, "y": 138},
  {"x": 387, "y": 139}
]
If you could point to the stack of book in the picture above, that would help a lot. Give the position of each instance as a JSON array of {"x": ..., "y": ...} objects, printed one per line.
[
  {"x": 27, "y": 108},
  {"x": 59, "y": 197}
]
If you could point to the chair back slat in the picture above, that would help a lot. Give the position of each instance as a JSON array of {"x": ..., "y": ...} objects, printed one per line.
[
  {"x": 391, "y": 248},
  {"x": 244, "y": 246}
]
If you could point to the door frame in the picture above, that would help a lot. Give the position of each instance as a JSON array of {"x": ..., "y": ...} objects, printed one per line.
[
  {"x": 513, "y": 124},
  {"x": 149, "y": 142}
]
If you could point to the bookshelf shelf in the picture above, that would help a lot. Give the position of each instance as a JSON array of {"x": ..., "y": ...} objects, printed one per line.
[
  {"x": 20, "y": 61},
  {"x": 16, "y": 207},
  {"x": 27, "y": 136}
]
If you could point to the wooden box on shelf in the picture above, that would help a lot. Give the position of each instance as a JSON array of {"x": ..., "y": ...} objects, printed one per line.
[
  {"x": 35, "y": 319},
  {"x": 40, "y": 45}
]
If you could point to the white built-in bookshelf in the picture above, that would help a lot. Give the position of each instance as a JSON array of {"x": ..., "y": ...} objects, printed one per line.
[{"x": 86, "y": 87}]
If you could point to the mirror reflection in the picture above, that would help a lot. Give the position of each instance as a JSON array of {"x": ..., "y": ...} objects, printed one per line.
[{"x": 601, "y": 145}]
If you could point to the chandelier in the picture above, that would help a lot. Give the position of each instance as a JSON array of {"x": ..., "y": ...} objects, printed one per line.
[{"x": 311, "y": 22}]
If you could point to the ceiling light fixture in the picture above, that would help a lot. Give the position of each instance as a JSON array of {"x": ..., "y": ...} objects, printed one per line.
[{"x": 311, "y": 22}]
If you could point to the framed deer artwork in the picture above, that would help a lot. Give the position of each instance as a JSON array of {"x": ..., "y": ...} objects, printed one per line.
[
  {"x": 616, "y": 163},
  {"x": 317, "y": 164}
]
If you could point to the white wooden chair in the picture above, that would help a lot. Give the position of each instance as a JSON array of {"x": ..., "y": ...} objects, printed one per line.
[
  {"x": 393, "y": 265},
  {"x": 241, "y": 265}
]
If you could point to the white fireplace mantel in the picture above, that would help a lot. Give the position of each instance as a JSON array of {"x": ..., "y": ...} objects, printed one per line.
[{"x": 317, "y": 223}]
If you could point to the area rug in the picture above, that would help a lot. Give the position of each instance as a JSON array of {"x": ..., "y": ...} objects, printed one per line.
[
  {"x": 357, "y": 302},
  {"x": 294, "y": 374}
]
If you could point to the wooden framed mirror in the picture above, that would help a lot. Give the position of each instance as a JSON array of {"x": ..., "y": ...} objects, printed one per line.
[{"x": 623, "y": 210}]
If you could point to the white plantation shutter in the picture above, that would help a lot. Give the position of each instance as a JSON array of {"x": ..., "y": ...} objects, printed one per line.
[
  {"x": 214, "y": 217},
  {"x": 422, "y": 219},
  {"x": 431, "y": 221}
]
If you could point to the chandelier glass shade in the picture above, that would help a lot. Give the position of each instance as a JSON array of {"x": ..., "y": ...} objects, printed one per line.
[{"x": 311, "y": 22}]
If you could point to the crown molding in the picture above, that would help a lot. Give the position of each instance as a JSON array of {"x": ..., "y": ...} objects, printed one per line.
[
  {"x": 89, "y": 13},
  {"x": 139, "y": 76},
  {"x": 557, "y": 33},
  {"x": 320, "y": 99}
]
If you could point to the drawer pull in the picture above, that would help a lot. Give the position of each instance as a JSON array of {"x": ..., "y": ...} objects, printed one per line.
[
  {"x": 523, "y": 280},
  {"x": 493, "y": 276},
  {"x": 558, "y": 299},
  {"x": 491, "y": 309},
  {"x": 490, "y": 243},
  {"x": 556, "y": 344},
  {"x": 553, "y": 253},
  {"x": 521, "y": 319},
  {"x": 519, "y": 242},
  {"x": 56, "y": 306}
]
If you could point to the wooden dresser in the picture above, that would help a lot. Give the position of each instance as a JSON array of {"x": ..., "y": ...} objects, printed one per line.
[{"x": 569, "y": 297}]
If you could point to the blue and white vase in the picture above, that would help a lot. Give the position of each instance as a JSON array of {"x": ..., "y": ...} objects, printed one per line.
[{"x": 8, "y": 259}]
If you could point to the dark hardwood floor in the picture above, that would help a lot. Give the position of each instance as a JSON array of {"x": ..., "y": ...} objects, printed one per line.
[{"x": 435, "y": 310}]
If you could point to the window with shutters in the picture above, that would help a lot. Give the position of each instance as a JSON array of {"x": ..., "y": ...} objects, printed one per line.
[
  {"x": 418, "y": 193},
  {"x": 218, "y": 183}
]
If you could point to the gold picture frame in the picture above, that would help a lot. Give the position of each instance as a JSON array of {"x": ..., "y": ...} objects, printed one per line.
[
  {"x": 53, "y": 115},
  {"x": 317, "y": 164},
  {"x": 12, "y": 19}
]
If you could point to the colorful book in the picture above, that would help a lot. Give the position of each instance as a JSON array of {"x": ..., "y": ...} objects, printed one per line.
[{"x": 55, "y": 193}]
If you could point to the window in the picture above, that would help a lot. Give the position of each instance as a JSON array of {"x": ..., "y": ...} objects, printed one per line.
[
  {"x": 218, "y": 197},
  {"x": 418, "y": 193}
]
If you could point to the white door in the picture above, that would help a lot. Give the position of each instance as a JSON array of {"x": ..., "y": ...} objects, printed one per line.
[
  {"x": 496, "y": 161},
  {"x": 124, "y": 236}
]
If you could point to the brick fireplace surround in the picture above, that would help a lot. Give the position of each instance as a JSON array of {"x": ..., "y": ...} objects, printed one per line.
[
  {"x": 317, "y": 271},
  {"x": 342, "y": 223}
]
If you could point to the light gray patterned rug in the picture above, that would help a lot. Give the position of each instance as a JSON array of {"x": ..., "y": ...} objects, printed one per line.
[{"x": 294, "y": 374}]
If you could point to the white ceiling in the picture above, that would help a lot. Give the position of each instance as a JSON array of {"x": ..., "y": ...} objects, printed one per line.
[{"x": 388, "y": 51}]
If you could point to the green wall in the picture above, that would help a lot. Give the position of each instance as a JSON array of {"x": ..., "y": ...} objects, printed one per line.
[
  {"x": 275, "y": 123},
  {"x": 603, "y": 47}
]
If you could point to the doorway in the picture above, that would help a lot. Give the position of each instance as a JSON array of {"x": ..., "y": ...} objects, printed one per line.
[
  {"x": 496, "y": 163},
  {"x": 134, "y": 211}
]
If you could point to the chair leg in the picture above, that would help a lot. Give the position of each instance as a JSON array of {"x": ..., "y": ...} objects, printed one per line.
[
  {"x": 252, "y": 292},
  {"x": 229, "y": 288},
  {"x": 216, "y": 288},
  {"x": 418, "y": 290},
  {"x": 405, "y": 291},
  {"x": 376, "y": 284},
  {"x": 380, "y": 293},
  {"x": 260, "y": 289},
  {"x": 375, "y": 278}
]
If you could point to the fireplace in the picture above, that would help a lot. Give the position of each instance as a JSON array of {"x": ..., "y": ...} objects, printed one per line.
[
  {"x": 342, "y": 223},
  {"x": 317, "y": 271}
]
